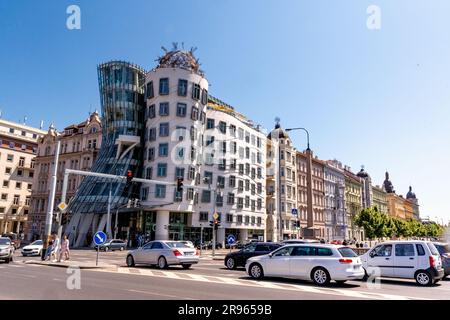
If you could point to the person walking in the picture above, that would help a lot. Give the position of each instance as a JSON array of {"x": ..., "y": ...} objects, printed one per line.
[
  {"x": 64, "y": 249},
  {"x": 55, "y": 248},
  {"x": 49, "y": 248}
]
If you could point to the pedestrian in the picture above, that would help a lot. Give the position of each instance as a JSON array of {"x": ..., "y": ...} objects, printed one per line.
[
  {"x": 55, "y": 248},
  {"x": 49, "y": 248},
  {"x": 64, "y": 249},
  {"x": 344, "y": 243}
]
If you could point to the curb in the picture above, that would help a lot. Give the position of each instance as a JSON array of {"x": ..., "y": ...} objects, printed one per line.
[{"x": 59, "y": 265}]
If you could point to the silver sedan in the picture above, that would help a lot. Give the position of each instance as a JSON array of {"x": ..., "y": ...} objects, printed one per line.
[{"x": 163, "y": 254}]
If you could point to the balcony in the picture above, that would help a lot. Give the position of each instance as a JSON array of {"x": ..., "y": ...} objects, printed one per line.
[{"x": 16, "y": 204}]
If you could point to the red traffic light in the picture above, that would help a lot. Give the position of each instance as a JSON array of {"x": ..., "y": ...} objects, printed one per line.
[{"x": 179, "y": 184}]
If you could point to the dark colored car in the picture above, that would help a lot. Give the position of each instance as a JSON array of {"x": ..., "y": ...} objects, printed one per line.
[
  {"x": 239, "y": 258},
  {"x": 15, "y": 239},
  {"x": 113, "y": 245},
  {"x": 444, "y": 251}
]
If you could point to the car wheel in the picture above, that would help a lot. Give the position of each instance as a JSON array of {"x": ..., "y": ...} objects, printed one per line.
[
  {"x": 423, "y": 278},
  {"x": 366, "y": 276},
  {"x": 162, "y": 263},
  {"x": 130, "y": 261},
  {"x": 11, "y": 258},
  {"x": 186, "y": 266},
  {"x": 231, "y": 263},
  {"x": 320, "y": 276},
  {"x": 256, "y": 271},
  {"x": 106, "y": 249}
]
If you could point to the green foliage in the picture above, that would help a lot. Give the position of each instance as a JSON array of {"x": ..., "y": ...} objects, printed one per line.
[{"x": 379, "y": 225}]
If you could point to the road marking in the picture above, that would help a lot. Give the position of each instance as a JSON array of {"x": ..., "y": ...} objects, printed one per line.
[
  {"x": 170, "y": 275},
  {"x": 56, "y": 279},
  {"x": 159, "y": 294},
  {"x": 265, "y": 284}
]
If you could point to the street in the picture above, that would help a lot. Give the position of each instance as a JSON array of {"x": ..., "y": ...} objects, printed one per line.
[{"x": 207, "y": 280}]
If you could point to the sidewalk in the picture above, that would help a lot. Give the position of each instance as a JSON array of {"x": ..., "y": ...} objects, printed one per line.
[{"x": 73, "y": 264}]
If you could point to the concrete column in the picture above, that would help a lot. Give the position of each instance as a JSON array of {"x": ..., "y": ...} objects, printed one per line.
[
  {"x": 243, "y": 235},
  {"x": 221, "y": 236},
  {"x": 162, "y": 225}
]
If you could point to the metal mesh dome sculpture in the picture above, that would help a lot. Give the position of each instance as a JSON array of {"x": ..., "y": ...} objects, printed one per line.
[{"x": 182, "y": 59}]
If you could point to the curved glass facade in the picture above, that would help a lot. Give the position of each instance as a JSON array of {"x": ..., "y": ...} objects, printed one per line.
[{"x": 121, "y": 87}]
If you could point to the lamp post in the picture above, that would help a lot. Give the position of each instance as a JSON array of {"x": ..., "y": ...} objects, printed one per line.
[{"x": 310, "y": 218}]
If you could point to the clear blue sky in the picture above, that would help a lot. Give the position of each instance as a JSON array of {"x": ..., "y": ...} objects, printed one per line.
[{"x": 378, "y": 98}]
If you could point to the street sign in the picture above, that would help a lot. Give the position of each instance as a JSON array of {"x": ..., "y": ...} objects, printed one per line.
[
  {"x": 294, "y": 211},
  {"x": 100, "y": 238},
  {"x": 215, "y": 216},
  {"x": 62, "y": 206},
  {"x": 231, "y": 239}
]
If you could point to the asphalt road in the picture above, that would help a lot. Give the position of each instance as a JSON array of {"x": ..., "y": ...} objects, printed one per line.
[{"x": 207, "y": 280}]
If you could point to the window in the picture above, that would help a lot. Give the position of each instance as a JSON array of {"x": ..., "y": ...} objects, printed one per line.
[
  {"x": 194, "y": 113},
  {"x": 247, "y": 219},
  {"x": 164, "y": 129},
  {"x": 230, "y": 198},
  {"x": 204, "y": 96},
  {"x": 179, "y": 173},
  {"x": 162, "y": 169},
  {"x": 164, "y": 86},
  {"x": 240, "y": 185},
  {"x": 259, "y": 204},
  {"x": 247, "y": 201},
  {"x": 2, "y": 209},
  {"x": 208, "y": 177},
  {"x": 223, "y": 127},
  {"x": 259, "y": 174},
  {"x": 4, "y": 196},
  {"x": 219, "y": 200},
  {"x": 18, "y": 185},
  {"x": 160, "y": 191},
  {"x": 196, "y": 91},
  {"x": 164, "y": 109},
  {"x": 7, "y": 170},
  {"x": 232, "y": 181},
  {"x": 241, "y": 168},
  {"x": 222, "y": 164},
  {"x": 404, "y": 250},
  {"x": 259, "y": 221},
  {"x": 324, "y": 252},
  {"x": 384, "y": 250},
  {"x": 247, "y": 185},
  {"x": 209, "y": 140},
  {"x": 247, "y": 152},
  {"x": 178, "y": 195},
  {"x": 11, "y": 130},
  {"x": 151, "y": 154},
  {"x": 203, "y": 216},
  {"x": 149, "y": 90},
  {"x": 144, "y": 194},
  {"x": 163, "y": 149},
  {"x": 420, "y": 249},
  {"x": 152, "y": 134},
  {"x": 151, "y": 111},
  {"x": 233, "y": 147},
  {"x": 232, "y": 130},
  {"x": 206, "y": 196},
  {"x": 149, "y": 173},
  {"x": 190, "y": 194},
  {"x": 210, "y": 123},
  {"x": 221, "y": 181},
  {"x": 9, "y": 157},
  {"x": 182, "y": 87},
  {"x": 233, "y": 164},
  {"x": 181, "y": 109},
  {"x": 191, "y": 173},
  {"x": 29, "y": 186}
]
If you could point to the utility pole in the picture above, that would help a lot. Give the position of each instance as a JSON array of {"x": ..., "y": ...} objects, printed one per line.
[
  {"x": 108, "y": 221},
  {"x": 51, "y": 201}
]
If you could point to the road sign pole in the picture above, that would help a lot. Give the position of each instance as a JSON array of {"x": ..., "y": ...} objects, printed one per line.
[{"x": 96, "y": 261}]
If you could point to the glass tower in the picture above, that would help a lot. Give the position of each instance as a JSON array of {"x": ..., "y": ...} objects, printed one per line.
[{"x": 121, "y": 87}]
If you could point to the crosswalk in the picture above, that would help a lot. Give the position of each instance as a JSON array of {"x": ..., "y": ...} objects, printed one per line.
[{"x": 358, "y": 294}]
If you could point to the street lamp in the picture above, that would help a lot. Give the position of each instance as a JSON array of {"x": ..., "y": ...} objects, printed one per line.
[{"x": 307, "y": 134}]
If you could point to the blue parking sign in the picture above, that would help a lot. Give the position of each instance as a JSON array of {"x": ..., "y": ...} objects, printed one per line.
[{"x": 294, "y": 212}]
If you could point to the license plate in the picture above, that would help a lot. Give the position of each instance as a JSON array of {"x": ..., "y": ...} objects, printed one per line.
[
  {"x": 189, "y": 253},
  {"x": 356, "y": 267}
]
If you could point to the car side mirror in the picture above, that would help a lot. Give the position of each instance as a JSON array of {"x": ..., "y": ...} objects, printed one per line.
[{"x": 270, "y": 255}]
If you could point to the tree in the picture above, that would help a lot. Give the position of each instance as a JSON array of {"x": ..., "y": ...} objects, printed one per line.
[{"x": 372, "y": 221}]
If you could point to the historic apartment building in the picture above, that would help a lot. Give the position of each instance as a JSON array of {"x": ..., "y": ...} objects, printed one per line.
[
  {"x": 18, "y": 148},
  {"x": 380, "y": 199},
  {"x": 353, "y": 203},
  {"x": 79, "y": 148},
  {"x": 398, "y": 206},
  {"x": 335, "y": 217}
]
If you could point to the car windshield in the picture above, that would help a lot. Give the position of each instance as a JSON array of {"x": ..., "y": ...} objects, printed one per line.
[
  {"x": 5, "y": 242},
  {"x": 36, "y": 243},
  {"x": 177, "y": 245},
  {"x": 347, "y": 252},
  {"x": 442, "y": 248},
  {"x": 433, "y": 249}
]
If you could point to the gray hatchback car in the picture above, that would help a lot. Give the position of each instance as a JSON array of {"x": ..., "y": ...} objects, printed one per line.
[
  {"x": 444, "y": 251},
  {"x": 6, "y": 249}
]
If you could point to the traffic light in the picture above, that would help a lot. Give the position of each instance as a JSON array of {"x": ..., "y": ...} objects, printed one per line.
[
  {"x": 179, "y": 184},
  {"x": 129, "y": 177},
  {"x": 216, "y": 224}
]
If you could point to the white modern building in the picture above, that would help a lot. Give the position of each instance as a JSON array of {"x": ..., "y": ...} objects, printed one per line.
[{"x": 219, "y": 154}]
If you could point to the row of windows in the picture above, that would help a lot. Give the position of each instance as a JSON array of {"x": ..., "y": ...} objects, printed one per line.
[
  {"x": 16, "y": 199},
  {"x": 182, "y": 90},
  {"x": 17, "y": 186},
  {"x": 23, "y": 133},
  {"x": 230, "y": 218},
  {"x": 13, "y": 145}
]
